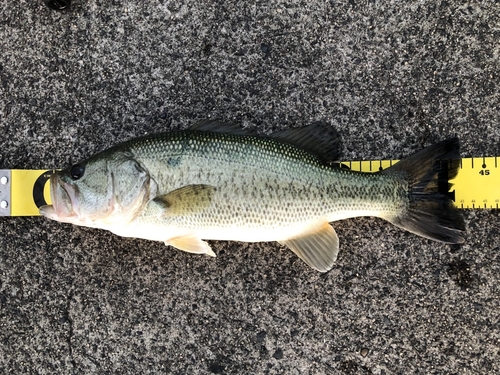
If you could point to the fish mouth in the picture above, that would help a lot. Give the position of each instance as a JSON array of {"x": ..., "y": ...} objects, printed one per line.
[{"x": 64, "y": 203}]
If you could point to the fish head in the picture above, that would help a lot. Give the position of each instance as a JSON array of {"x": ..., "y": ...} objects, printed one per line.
[{"x": 103, "y": 191}]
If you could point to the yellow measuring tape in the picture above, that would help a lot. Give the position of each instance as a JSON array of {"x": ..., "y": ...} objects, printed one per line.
[
  {"x": 23, "y": 191},
  {"x": 477, "y": 185}
]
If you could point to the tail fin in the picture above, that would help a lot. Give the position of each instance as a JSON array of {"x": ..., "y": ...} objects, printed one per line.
[{"x": 430, "y": 212}]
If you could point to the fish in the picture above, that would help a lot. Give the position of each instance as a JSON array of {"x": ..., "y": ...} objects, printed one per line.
[{"x": 217, "y": 181}]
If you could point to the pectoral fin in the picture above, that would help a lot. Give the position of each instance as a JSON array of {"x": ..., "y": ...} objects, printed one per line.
[
  {"x": 317, "y": 247},
  {"x": 191, "y": 244},
  {"x": 186, "y": 200}
]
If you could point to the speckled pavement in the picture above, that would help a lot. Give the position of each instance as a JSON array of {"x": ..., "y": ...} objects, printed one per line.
[{"x": 391, "y": 77}]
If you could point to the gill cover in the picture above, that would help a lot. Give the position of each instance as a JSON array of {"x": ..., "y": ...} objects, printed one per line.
[{"x": 107, "y": 189}]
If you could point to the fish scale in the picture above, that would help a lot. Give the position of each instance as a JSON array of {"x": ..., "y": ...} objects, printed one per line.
[
  {"x": 218, "y": 182},
  {"x": 262, "y": 184}
]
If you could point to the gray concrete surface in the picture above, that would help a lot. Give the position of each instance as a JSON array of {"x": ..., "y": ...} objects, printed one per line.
[{"x": 391, "y": 76}]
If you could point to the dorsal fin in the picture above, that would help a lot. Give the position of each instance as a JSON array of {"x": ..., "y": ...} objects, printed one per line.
[
  {"x": 218, "y": 126},
  {"x": 317, "y": 138}
]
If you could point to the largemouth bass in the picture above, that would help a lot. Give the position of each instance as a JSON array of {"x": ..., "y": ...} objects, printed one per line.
[{"x": 216, "y": 182}]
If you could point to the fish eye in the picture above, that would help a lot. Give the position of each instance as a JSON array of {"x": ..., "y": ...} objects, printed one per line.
[{"x": 76, "y": 172}]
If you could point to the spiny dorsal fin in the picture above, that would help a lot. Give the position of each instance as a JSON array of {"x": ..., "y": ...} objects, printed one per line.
[
  {"x": 218, "y": 126},
  {"x": 317, "y": 138},
  {"x": 186, "y": 200}
]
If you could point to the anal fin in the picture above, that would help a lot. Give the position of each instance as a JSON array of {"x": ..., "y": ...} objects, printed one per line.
[
  {"x": 318, "y": 247},
  {"x": 191, "y": 244}
]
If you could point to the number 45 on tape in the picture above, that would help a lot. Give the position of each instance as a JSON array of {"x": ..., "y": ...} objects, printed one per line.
[{"x": 477, "y": 185}]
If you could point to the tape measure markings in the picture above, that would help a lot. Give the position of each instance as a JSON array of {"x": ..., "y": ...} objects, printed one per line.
[
  {"x": 473, "y": 187},
  {"x": 22, "y": 191}
]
